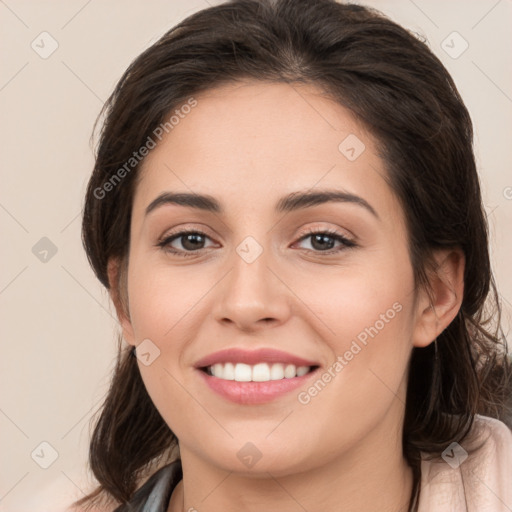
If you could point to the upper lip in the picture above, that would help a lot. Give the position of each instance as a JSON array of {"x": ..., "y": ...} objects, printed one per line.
[{"x": 252, "y": 357}]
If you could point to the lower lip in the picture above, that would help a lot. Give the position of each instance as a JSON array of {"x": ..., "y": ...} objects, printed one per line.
[{"x": 254, "y": 392}]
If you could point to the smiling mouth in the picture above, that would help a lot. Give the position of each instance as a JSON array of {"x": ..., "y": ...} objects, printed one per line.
[{"x": 261, "y": 372}]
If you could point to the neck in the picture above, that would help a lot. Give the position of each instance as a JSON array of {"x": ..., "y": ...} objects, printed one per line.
[{"x": 372, "y": 476}]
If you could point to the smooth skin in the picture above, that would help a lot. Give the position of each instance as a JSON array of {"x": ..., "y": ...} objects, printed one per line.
[{"x": 248, "y": 144}]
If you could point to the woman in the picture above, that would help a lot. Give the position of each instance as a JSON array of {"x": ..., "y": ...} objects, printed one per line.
[{"x": 286, "y": 212}]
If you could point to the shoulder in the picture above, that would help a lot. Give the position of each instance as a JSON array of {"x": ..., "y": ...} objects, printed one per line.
[
  {"x": 475, "y": 473},
  {"x": 496, "y": 436}
]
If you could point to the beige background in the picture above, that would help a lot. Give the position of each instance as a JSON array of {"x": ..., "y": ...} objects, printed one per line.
[{"x": 58, "y": 332}]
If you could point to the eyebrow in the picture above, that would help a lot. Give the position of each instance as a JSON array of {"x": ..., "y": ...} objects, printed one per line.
[{"x": 291, "y": 202}]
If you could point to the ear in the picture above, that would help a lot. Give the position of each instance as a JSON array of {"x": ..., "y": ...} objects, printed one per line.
[
  {"x": 118, "y": 290},
  {"x": 436, "y": 309}
]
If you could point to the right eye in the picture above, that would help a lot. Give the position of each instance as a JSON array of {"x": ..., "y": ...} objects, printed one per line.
[{"x": 191, "y": 242}]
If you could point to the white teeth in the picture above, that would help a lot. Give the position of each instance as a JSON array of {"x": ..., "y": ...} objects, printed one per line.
[
  {"x": 217, "y": 369},
  {"x": 277, "y": 372},
  {"x": 261, "y": 372},
  {"x": 302, "y": 370},
  {"x": 229, "y": 371},
  {"x": 289, "y": 371},
  {"x": 243, "y": 372}
]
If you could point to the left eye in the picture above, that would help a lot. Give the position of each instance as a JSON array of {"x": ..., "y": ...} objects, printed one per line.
[
  {"x": 193, "y": 241},
  {"x": 321, "y": 239}
]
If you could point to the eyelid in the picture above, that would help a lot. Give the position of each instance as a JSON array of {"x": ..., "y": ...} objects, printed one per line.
[
  {"x": 189, "y": 228},
  {"x": 203, "y": 230},
  {"x": 343, "y": 233},
  {"x": 328, "y": 231},
  {"x": 175, "y": 234}
]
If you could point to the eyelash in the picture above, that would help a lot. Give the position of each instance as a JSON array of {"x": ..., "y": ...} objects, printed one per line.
[{"x": 346, "y": 243}]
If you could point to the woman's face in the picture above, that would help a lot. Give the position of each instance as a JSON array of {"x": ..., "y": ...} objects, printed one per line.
[{"x": 257, "y": 299}]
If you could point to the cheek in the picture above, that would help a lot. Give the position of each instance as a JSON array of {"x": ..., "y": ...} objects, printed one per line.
[
  {"x": 370, "y": 347},
  {"x": 364, "y": 384},
  {"x": 366, "y": 316},
  {"x": 163, "y": 308},
  {"x": 162, "y": 299},
  {"x": 368, "y": 300}
]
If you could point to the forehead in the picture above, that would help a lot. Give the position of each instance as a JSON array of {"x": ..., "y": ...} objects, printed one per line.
[{"x": 249, "y": 142}]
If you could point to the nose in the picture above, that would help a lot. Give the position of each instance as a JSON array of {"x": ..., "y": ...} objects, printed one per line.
[{"x": 252, "y": 296}]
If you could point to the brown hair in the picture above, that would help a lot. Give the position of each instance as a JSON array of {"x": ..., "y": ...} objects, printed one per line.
[{"x": 399, "y": 89}]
